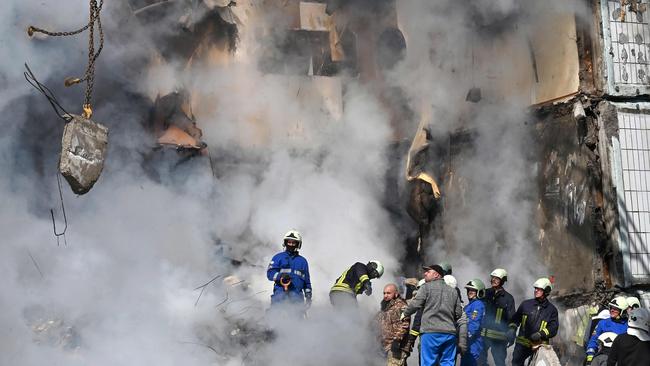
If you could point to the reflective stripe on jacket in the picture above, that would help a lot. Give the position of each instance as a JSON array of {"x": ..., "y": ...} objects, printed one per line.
[{"x": 352, "y": 280}]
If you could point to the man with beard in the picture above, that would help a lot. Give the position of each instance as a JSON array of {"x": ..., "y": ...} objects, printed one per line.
[{"x": 393, "y": 331}]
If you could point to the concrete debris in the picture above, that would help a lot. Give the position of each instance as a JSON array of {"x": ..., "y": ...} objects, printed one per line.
[
  {"x": 50, "y": 329},
  {"x": 83, "y": 151}
]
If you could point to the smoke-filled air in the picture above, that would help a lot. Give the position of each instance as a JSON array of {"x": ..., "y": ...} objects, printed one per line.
[{"x": 226, "y": 131}]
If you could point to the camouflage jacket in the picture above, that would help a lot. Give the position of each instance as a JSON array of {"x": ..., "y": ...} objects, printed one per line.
[{"x": 390, "y": 327}]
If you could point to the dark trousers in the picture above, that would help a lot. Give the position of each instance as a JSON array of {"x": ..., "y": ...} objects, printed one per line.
[
  {"x": 520, "y": 354},
  {"x": 499, "y": 351}
]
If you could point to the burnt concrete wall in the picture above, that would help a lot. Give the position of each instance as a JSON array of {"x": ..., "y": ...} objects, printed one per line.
[{"x": 570, "y": 207}]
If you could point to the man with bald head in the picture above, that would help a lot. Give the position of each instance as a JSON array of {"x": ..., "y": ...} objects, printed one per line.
[{"x": 393, "y": 332}]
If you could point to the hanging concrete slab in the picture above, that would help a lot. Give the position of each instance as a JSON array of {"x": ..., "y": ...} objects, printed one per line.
[{"x": 83, "y": 150}]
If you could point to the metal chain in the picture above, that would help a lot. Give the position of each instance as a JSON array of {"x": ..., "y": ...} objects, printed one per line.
[{"x": 89, "y": 75}]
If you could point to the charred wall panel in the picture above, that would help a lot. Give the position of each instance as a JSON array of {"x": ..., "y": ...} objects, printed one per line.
[{"x": 569, "y": 213}]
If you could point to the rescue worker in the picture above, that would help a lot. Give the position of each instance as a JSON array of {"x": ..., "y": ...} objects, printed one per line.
[
  {"x": 289, "y": 272},
  {"x": 453, "y": 282},
  {"x": 444, "y": 323},
  {"x": 414, "y": 332},
  {"x": 393, "y": 335},
  {"x": 353, "y": 282},
  {"x": 537, "y": 321},
  {"x": 475, "y": 310},
  {"x": 616, "y": 323},
  {"x": 499, "y": 308},
  {"x": 632, "y": 303},
  {"x": 605, "y": 342},
  {"x": 633, "y": 347}
]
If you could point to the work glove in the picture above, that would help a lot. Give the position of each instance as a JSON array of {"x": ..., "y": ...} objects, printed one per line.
[
  {"x": 367, "y": 288},
  {"x": 536, "y": 337},
  {"x": 396, "y": 350},
  {"x": 308, "y": 299},
  {"x": 512, "y": 334},
  {"x": 589, "y": 359}
]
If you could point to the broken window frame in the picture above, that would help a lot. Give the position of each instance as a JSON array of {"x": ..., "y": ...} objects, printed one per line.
[{"x": 613, "y": 87}]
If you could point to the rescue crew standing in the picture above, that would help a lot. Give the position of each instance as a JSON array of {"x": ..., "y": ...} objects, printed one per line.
[
  {"x": 289, "y": 272},
  {"x": 499, "y": 308},
  {"x": 475, "y": 310},
  {"x": 537, "y": 321}
]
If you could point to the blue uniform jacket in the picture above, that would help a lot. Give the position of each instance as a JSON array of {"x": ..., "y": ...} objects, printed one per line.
[
  {"x": 474, "y": 311},
  {"x": 296, "y": 266},
  {"x": 605, "y": 325}
]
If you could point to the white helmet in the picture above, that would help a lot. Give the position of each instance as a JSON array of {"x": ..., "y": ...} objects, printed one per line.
[
  {"x": 638, "y": 324},
  {"x": 619, "y": 303},
  {"x": 607, "y": 338},
  {"x": 545, "y": 284},
  {"x": 501, "y": 274},
  {"x": 292, "y": 235},
  {"x": 633, "y": 302},
  {"x": 377, "y": 266},
  {"x": 450, "y": 280}
]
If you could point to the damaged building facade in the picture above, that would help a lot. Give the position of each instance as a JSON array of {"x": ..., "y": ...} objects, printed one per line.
[
  {"x": 587, "y": 85},
  {"x": 585, "y": 80}
]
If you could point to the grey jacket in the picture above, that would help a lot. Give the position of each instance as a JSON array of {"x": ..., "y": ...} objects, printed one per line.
[{"x": 442, "y": 310}]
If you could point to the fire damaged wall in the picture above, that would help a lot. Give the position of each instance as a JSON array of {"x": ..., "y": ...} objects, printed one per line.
[{"x": 569, "y": 213}]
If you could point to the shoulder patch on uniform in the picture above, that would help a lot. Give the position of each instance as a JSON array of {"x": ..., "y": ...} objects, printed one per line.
[{"x": 474, "y": 314}]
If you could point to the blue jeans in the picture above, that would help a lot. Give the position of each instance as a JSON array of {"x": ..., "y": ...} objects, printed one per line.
[{"x": 438, "y": 349}]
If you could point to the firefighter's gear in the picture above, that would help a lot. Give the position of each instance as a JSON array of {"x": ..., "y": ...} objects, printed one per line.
[
  {"x": 618, "y": 326},
  {"x": 545, "y": 284},
  {"x": 475, "y": 310},
  {"x": 500, "y": 273},
  {"x": 450, "y": 280},
  {"x": 446, "y": 267},
  {"x": 375, "y": 269},
  {"x": 633, "y": 348},
  {"x": 351, "y": 283},
  {"x": 606, "y": 339},
  {"x": 478, "y": 286},
  {"x": 537, "y": 320},
  {"x": 639, "y": 324},
  {"x": 619, "y": 302},
  {"x": 633, "y": 302},
  {"x": 290, "y": 266},
  {"x": 292, "y": 235},
  {"x": 499, "y": 309}
]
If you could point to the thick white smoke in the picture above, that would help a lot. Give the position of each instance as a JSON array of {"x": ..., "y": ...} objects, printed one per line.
[{"x": 137, "y": 246}]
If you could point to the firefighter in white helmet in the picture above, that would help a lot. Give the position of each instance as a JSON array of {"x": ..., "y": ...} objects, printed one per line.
[
  {"x": 632, "y": 303},
  {"x": 537, "y": 320},
  {"x": 475, "y": 310},
  {"x": 633, "y": 347},
  {"x": 616, "y": 323},
  {"x": 499, "y": 308},
  {"x": 289, "y": 272}
]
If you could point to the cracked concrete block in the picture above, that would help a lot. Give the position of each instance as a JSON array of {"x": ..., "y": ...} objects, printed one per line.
[{"x": 83, "y": 150}]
